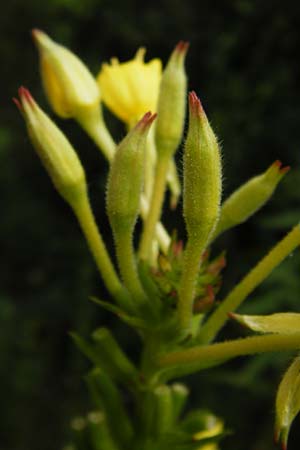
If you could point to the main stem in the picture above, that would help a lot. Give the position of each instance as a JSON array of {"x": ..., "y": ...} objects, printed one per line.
[
  {"x": 231, "y": 349},
  {"x": 84, "y": 214},
  {"x": 155, "y": 208},
  {"x": 255, "y": 277}
]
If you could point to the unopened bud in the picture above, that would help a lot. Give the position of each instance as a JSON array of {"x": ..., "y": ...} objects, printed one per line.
[
  {"x": 172, "y": 103},
  {"x": 202, "y": 181},
  {"x": 69, "y": 85},
  {"x": 202, "y": 175},
  {"x": 126, "y": 177},
  {"x": 250, "y": 197},
  {"x": 287, "y": 402},
  {"x": 55, "y": 151}
]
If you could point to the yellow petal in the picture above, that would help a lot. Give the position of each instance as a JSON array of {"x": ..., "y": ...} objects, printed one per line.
[{"x": 130, "y": 89}]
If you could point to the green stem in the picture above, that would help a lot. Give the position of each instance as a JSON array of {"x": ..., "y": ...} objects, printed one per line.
[
  {"x": 231, "y": 349},
  {"x": 84, "y": 214},
  {"x": 255, "y": 277},
  {"x": 186, "y": 294},
  {"x": 92, "y": 122},
  {"x": 127, "y": 265},
  {"x": 161, "y": 233},
  {"x": 155, "y": 208}
]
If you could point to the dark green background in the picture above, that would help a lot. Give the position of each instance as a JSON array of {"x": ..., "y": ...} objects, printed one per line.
[{"x": 244, "y": 64}]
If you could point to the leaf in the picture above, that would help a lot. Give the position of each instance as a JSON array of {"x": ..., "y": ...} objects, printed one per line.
[
  {"x": 134, "y": 322},
  {"x": 283, "y": 323}
]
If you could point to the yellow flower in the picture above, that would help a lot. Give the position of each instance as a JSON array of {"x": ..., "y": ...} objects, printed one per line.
[
  {"x": 131, "y": 89},
  {"x": 69, "y": 85}
]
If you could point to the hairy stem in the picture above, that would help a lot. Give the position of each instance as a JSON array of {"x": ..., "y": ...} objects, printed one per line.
[
  {"x": 86, "y": 219},
  {"x": 231, "y": 349}
]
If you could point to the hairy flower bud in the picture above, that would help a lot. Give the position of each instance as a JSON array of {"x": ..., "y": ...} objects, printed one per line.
[
  {"x": 69, "y": 85},
  {"x": 126, "y": 177},
  {"x": 55, "y": 151},
  {"x": 172, "y": 103},
  {"x": 202, "y": 174},
  {"x": 201, "y": 203},
  {"x": 250, "y": 197}
]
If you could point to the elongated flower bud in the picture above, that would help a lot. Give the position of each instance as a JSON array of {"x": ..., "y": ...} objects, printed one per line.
[
  {"x": 202, "y": 175},
  {"x": 250, "y": 197},
  {"x": 123, "y": 201},
  {"x": 55, "y": 151},
  {"x": 171, "y": 103},
  {"x": 126, "y": 177},
  {"x": 201, "y": 203},
  {"x": 287, "y": 402},
  {"x": 69, "y": 85}
]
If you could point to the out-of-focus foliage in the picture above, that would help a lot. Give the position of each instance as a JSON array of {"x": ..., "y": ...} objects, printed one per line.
[{"x": 244, "y": 65}]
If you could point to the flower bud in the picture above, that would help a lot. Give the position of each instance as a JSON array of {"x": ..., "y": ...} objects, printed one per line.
[
  {"x": 283, "y": 323},
  {"x": 55, "y": 151},
  {"x": 125, "y": 180},
  {"x": 69, "y": 85},
  {"x": 250, "y": 197},
  {"x": 171, "y": 103},
  {"x": 202, "y": 181},
  {"x": 287, "y": 402},
  {"x": 202, "y": 175}
]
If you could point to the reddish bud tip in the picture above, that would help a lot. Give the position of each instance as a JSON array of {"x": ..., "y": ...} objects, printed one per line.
[
  {"x": 25, "y": 95},
  {"x": 195, "y": 104},
  {"x": 216, "y": 266},
  {"x": 182, "y": 47},
  {"x": 146, "y": 121},
  {"x": 35, "y": 33},
  {"x": 278, "y": 165},
  {"x": 18, "y": 103}
]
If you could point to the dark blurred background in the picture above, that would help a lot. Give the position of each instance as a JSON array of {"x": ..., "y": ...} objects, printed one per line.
[{"x": 244, "y": 64}]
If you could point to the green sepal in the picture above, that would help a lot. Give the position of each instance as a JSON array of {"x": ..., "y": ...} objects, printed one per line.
[{"x": 132, "y": 321}]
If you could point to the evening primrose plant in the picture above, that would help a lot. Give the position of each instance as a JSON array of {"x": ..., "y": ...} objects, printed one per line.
[{"x": 162, "y": 288}]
